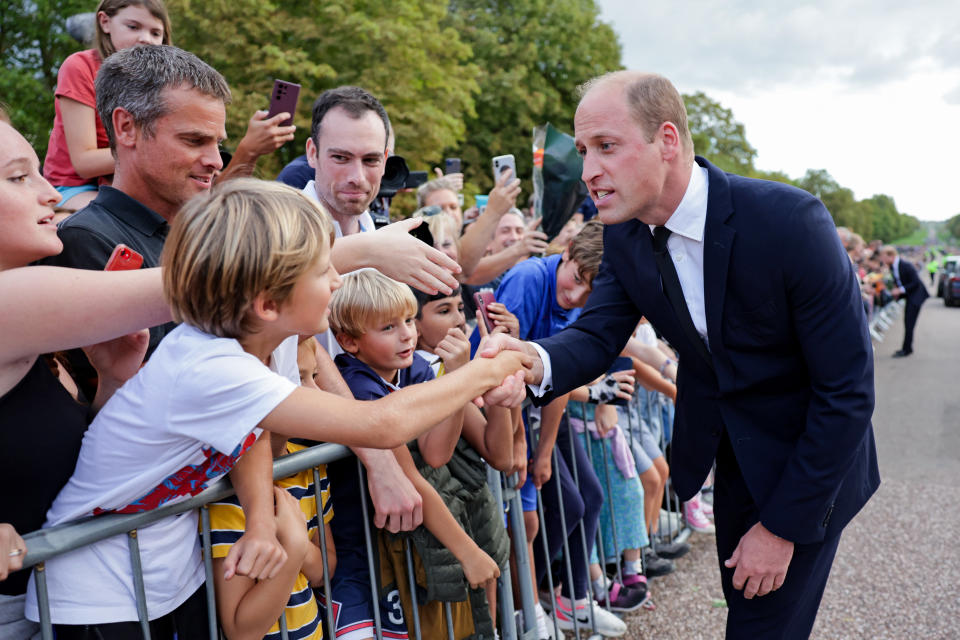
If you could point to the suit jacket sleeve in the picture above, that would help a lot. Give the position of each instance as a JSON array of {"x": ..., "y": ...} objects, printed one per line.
[
  {"x": 831, "y": 330},
  {"x": 586, "y": 348}
]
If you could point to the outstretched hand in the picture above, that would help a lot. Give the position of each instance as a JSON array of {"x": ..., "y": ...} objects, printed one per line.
[
  {"x": 761, "y": 560},
  {"x": 404, "y": 258}
]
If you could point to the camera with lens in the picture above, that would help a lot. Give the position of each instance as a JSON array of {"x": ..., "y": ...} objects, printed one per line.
[{"x": 396, "y": 176}]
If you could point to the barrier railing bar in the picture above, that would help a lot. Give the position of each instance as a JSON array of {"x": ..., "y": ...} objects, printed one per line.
[
  {"x": 411, "y": 577},
  {"x": 613, "y": 515},
  {"x": 43, "y": 544},
  {"x": 527, "y": 589},
  {"x": 43, "y": 602},
  {"x": 366, "y": 536},
  {"x": 207, "y": 550},
  {"x": 566, "y": 548},
  {"x": 284, "y": 632},
  {"x": 504, "y": 591},
  {"x": 448, "y": 614},
  {"x": 583, "y": 532},
  {"x": 134, "y": 545},
  {"x": 323, "y": 552}
]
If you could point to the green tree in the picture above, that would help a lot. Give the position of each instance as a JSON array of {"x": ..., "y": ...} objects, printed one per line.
[
  {"x": 398, "y": 51},
  {"x": 530, "y": 55},
  {"x": 717, "y": 136},
  {"x": 33, "y": 44}
]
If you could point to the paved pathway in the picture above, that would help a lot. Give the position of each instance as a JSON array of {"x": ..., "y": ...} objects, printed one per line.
[{"x": 897, "y": 573}]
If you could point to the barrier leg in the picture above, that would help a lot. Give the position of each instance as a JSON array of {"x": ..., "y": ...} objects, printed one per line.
[
  {"x": 505, "y": 604},
  {"x": 413, "y": 588},
  {"x": 583, "y": 534},
  {"x": 208, "y": 571},
  {"x": 566, "y": 550},
  {"x": 137, "y": 570},
  {"x": 43, "y": 601},
  {"x": 518, "y": 529},
  {"x": 366, "y": 536},
  {"x": 448, "y": 615},
  {"x": 327, "y": 594}
]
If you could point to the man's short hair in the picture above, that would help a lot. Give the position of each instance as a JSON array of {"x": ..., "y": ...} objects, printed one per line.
[
  {"x": 424, "y": 298},
  {"x": 437, "y": 184},
  {"x": 354, "y": 100},
  {"x": 366, "y": 298},
  {"x": 652, "y": 100},
  {"x": 134, "y": 80},
  {"x": 241, "y": 239},
  {"x": 586, "y": 249},
  {"x": 888, "y": 250}
]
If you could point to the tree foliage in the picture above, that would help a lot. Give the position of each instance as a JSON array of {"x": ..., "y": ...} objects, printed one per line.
[
  {"x": 33, "y": 44},
  {"x": 530, "y": 57},
  {"x": 717, "y": 136}
]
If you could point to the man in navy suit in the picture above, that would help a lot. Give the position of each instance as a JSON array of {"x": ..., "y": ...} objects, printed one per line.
[
  {"x": 909, "y": 286},
  {"x": 747, "y": 279}
]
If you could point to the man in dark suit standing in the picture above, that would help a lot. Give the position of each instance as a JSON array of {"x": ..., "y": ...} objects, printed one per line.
[
  {"x": 909, "y": 286},
  {"x": 747, "y": 279}
]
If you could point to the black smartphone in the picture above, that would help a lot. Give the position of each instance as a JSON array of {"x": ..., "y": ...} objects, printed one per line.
[
  {"x": 453, "y": 165},
  {"x": 422, "y": 233},
  {"x": 622, "y": 363},
  {"x": 284, "y": 99}
]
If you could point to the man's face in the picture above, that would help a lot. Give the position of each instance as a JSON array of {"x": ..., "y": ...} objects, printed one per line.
[
  {"x": 572, "y": 288},
  {"x": 349, "y": 161},
  {"x": 179, "y": 160},
  {"x": 509, "y": 231},
  {"x": 624, "y": 173},
  {"x": 447, "y": 200},
  {"x": 888, "y": 258},
  {"x": 437, "y": 317}
]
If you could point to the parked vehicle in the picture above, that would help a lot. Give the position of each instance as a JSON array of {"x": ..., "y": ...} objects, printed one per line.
[
  {"x": 951, "y": 289},
  {"x": 950, "y": 265}
]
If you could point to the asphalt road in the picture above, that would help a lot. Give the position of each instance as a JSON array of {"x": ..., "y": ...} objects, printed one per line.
[{"x": 897, "y": 572}]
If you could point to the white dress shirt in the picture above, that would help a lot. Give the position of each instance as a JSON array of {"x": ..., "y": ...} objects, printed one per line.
[{"x": 685, "y": 246}]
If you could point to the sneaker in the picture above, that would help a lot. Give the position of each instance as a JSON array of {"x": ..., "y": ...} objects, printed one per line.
[
  {"x": 544, "y": 624},
  {"x": 703, "y": 504},
  {"x": 622, "y": 598},
  {"x": 695, "y": 518},
  {"x": 608, "y": 624},
  {"x": 671, "y": 550},
  {"x": 635, "y": 581},
  {"x": 655, "y": 566}
]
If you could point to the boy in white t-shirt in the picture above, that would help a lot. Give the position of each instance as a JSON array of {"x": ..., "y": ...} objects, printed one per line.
[{"x": 246, "y": 269}]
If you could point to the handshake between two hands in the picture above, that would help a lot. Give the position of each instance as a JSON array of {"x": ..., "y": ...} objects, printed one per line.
[{"x": 512, "y": 391}]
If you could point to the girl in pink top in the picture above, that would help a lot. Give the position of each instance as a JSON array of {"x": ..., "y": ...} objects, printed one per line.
[{"x": 78, "y": 158}]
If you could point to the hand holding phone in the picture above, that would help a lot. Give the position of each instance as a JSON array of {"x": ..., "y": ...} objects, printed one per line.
[
  {"x": 123, "y": 258},
  {"x": 482, "y": 298},
  {"x": 501, "y": 164},
  {"x": 284, "y": 99}
]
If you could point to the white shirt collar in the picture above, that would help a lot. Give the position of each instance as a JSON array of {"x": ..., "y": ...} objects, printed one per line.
[
  {"x": 690, "y": 217},
  {"x": 366, "y": 220}
]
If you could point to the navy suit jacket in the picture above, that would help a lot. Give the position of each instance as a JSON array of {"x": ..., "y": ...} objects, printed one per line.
[
  {"x": 916, "y": 292},
  {"x": 791, "y": 380}
]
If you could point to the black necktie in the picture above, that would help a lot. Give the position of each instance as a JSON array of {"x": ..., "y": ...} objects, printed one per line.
[{"x": 671, "y": 286}]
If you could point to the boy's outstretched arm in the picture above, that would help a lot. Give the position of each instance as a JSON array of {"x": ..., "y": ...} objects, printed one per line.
[
  {"x": 396, "y": 419},
  {"x": 478, "y": 567},
  {"x": 397, "y": 503},
  {"x": 550, "y": 416},
  {"x": 257, "y": 554},
  {"x": 491, "y": 435}
]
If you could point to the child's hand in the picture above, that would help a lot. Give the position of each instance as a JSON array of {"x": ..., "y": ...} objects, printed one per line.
[
  {"x": 503, "y": 319},
  {"x": 541, "y": 470},
  {"x": 479, "y": 568},
  {"x": 606, "y": 418},
  {"x": 454, "y": 349},
  {"x": 257, "y": 554},
  {"x": 291, "y": 523}
]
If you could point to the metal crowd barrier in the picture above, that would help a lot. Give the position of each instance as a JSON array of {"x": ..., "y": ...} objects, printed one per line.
[{"x": 47, "y": 543}]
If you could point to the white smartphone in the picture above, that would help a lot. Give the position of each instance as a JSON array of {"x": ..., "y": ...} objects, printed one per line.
[{"x": 501, "y": 164}]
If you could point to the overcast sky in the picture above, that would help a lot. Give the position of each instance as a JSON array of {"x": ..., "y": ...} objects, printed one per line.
[{"x": 868, "y": 90}]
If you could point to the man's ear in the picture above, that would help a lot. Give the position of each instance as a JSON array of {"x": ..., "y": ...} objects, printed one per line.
[
  {"x": 347, "y": 342},
  {"x": 670, "y": 138},
  {"x": 565, "y": 256},
  {"x": 311, "y": 150},
  {"x": 125, "y": 130},
  {"x": 265, "y": 308}
]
